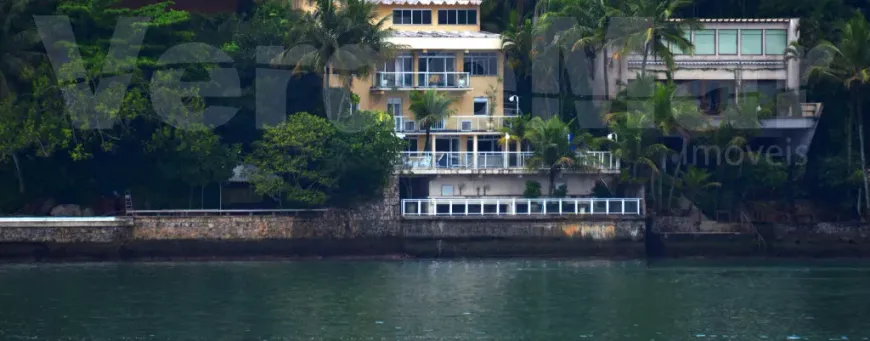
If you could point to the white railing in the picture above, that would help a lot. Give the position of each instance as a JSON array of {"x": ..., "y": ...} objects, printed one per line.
[
  {"x": 493, "y": 160},
  {"x": 603, "y": 160},
  {"x": 438, "y": 80},
  {"x": 478, "y": 122},
  {"x": 520, "y": 206}
]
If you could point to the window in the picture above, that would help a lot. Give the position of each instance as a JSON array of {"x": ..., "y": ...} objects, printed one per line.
[
  {"x": 705, "y": 42},
  {"x": 481, "y": 106},
  {"x": 727, "y": 41},
  {"x": 750, "y": 42},
  {"x": 481, "y": 63},
  {"x": 446, "y": 190},
  {"x": 437, "y": 69},
  {"x": 774, "y": 41},
  {"x": 412, "y": 17},
  {"x": 457, "y": 17},
  {"x": 412, "y": 144},
  {"x": 397, "y": 72}
]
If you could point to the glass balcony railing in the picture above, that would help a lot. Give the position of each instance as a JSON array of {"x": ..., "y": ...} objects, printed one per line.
[{"x": 425, "y": 80}]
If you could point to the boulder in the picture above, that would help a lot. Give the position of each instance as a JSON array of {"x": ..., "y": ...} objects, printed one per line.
[{"x": 66, "y": 211}]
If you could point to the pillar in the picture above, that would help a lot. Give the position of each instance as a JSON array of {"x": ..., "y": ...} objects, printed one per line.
[
  {"x": 474, "y": 150},
  {"x": 432, "y": 147}
]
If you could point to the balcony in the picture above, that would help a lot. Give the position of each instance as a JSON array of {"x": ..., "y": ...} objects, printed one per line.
[
  {"x": 517, "y": 161},
  {"x": 421, "y": 80},
  {"x": 520, "y": 206},
  {"x": 475, "y": 123}
]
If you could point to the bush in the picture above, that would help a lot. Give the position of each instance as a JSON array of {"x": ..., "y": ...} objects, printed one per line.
[{"x": 533, "y": 190}]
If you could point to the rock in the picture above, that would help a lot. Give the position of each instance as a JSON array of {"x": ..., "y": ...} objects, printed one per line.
[{"x": 66, "y": 211}]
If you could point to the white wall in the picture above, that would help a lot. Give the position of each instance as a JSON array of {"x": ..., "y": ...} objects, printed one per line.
[{"x": 511, "y": 185}]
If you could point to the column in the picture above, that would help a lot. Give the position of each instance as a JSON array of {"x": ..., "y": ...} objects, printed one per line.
[
  {"x": 434, "y": 157},
  {"x": 474, "y": 150},
  {"x": 506, "y": 149}
]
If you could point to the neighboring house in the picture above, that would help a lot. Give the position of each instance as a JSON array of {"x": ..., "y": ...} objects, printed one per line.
[
  {"x": 465, "y": 171},
  {"x": 735, "y": 59}
]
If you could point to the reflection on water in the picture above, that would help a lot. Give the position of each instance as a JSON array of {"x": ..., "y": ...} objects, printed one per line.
[{"x": 436, "y": 300}]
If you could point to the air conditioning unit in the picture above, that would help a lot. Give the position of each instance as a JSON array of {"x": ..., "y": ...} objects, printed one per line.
[
  {"x": 465, "y": 126},
  {"x": 410, "y": 126}
]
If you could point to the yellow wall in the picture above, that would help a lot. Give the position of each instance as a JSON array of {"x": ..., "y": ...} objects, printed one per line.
[
  {"x": 464, "y": 105},
  {"x": 384, "y": 11},
  {"x": 304, "y": 5}
]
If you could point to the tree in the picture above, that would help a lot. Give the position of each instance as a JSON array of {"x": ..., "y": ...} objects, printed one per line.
[
  {"x": 18, "y": 44},
  {"x": 694, "y": 182},
  {"x": 850, "y": 65},
  {"x": 551, "y": 148},
  {"x": 515, "y": 130},
  {"x": 654, "y": 30},
  {"x": 308, "y": 162},
  {"x": 346, "y": 39},
  {"x": 430, "y": 107},
  {"x": 518, "y": 41}
]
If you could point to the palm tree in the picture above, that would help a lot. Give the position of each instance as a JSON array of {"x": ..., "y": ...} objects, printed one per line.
[
  {"x": 694, "y": 182},
  {"x": 551, "y": 148},
  {"x": 518, "y": 43},
  {"x": 17, "y": 46},
  {"x": 661, "y": 111},
  {"x": 588, "y": 32},
  {"x": 346, "y": 39},
  {"x": 850, "y": 65},
  {"x": 515, "y": 130},
  {"x": 656, "y": 30},
  {"x": 430, "y": 107}
]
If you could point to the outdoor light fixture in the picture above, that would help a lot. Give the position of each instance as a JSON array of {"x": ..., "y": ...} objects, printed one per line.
[
  {"x": 613, "y": 137},
  {"x": 516, "y": 99}
]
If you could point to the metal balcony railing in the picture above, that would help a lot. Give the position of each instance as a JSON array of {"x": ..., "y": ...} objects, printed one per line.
[{"x": 520, "y": 206}]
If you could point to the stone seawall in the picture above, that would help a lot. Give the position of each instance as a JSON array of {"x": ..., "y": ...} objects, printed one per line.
[
  {"x": 333, "y": 234},
  {"x": 685, "y": 237}
]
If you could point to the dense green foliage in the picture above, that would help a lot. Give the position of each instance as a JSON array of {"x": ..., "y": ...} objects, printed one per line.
[{"x": 46, "y": 153}]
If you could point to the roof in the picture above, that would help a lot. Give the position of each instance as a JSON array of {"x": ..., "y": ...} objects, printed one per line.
[
  {"x": 444, "y": 34},
  {"x": 780, "y": 63},
  {"x": 740, "y": 20},
  {"x": 447, "y": 40},
  {"x": 426, "y": 2}
]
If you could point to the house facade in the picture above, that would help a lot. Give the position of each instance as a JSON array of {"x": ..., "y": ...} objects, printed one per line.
[
  {"x": 465, "y": 167},
  {"x": 738, "y": 60}
]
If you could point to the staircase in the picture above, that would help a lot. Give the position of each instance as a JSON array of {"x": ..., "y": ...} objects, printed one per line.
[
  {"x": 128, "y": 203},
  {"x": 748, "y": 226}
]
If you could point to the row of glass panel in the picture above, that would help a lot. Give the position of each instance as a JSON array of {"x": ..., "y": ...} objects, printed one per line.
[
  {"x": 730, "y": 41},
  {"x": 477, "y": 63}
]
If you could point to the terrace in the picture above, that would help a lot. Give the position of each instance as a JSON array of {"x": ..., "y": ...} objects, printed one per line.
[
  {"x": 520, "y": 206},
  {"x": 517, "y": 161}
]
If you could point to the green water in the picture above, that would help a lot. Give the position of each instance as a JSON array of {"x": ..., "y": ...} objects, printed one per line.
[{"x": 436, "y": 300}]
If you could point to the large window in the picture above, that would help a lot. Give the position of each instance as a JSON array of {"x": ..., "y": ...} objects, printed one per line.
[
  {"x": 727, "y": 42},
  {"x": 774, "y": 41},
  {"x": 437, "y": 69},
  {"x": 750, "y": 41},
  {"x": 412, "y": 17},
  {"x": 457, "y": 17},
  {"x": 481, "y": 63},
  {"x": 397, "y": 72},
  {"x": 705, "y": 42}
]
